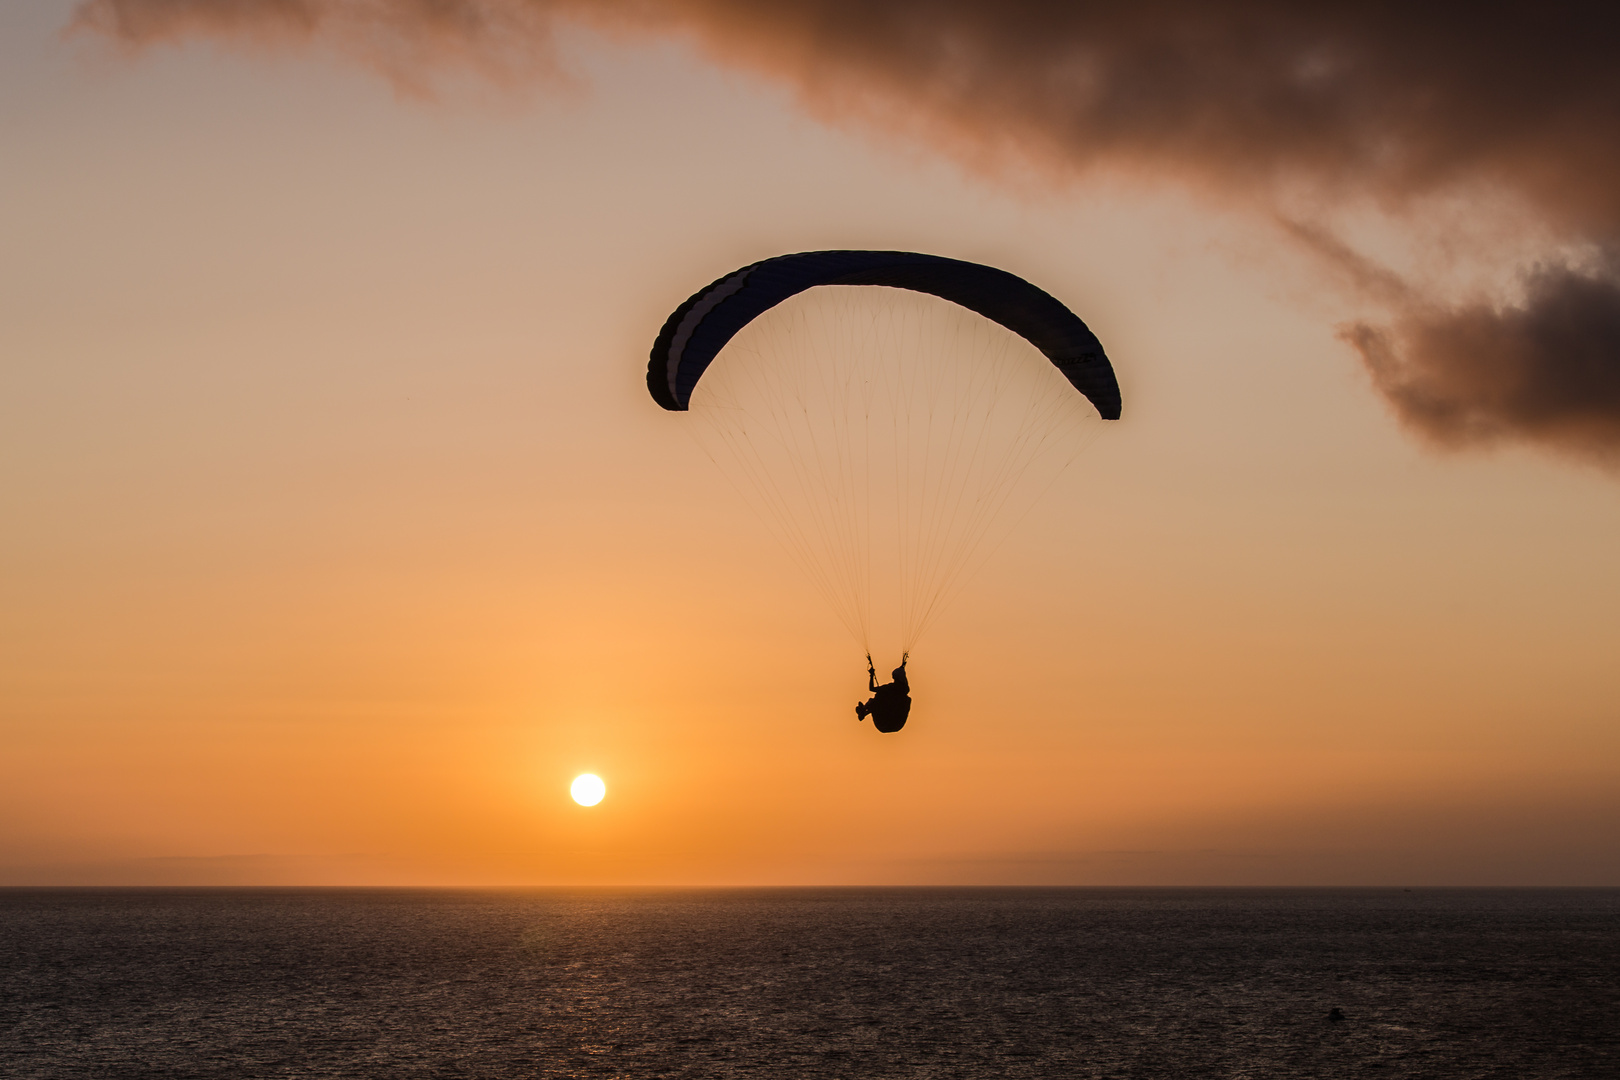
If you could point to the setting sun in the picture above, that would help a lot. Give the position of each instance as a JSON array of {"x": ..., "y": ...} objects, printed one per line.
[{"x": 588, "y": 789}]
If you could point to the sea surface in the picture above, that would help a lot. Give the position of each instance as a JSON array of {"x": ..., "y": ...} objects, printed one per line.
[{"x": 245, "y": 983}]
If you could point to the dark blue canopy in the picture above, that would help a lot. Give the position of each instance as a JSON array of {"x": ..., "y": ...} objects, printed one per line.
[{"x": 697, "y": 330}]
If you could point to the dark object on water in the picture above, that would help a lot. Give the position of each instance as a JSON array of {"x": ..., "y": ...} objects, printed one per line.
[
  {"x": 1336, "y": 1016},
  {"x": 890, "y": 703}
]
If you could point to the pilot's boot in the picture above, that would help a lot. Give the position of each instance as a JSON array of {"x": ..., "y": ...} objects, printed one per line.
[{"x": 861, "y": 711}]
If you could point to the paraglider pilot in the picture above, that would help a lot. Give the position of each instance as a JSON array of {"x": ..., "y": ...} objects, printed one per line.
[{"x": 891, "y": 702}]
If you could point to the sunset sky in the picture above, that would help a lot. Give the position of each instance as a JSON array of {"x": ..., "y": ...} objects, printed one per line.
[{"x": 340, "y": 532}]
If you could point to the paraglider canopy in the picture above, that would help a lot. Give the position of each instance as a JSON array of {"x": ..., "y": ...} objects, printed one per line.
[
  {"x": 888, "y": 433},
  {"x": 697, "y": 330}
]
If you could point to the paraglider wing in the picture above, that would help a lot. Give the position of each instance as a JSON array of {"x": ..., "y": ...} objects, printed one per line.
[{"x": 697, "y": 330}]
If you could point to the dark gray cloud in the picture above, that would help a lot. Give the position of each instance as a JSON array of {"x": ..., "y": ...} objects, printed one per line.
[
  {"x": 1547, "y": 370},
  {"x": 1369, "y": 102}
]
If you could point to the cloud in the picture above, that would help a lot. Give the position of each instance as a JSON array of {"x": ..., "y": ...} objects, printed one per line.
[
  {"x": 1370, "y": 102},
  {"x": 1547, "y": 369},
  {"x": 413, "y": 43}
]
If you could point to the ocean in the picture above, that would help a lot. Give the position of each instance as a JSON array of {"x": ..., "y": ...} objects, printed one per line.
[{"x": 853, "y": 983}]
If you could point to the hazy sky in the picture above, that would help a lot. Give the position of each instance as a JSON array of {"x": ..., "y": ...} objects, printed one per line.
[{"x": 340, "y": 532}]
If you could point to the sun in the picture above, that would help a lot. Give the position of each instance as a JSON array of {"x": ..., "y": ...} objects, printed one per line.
[{"x": 588, "y": 789}]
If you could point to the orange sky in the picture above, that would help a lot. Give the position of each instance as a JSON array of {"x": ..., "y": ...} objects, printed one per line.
[{"x": 340, "y": 533}]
